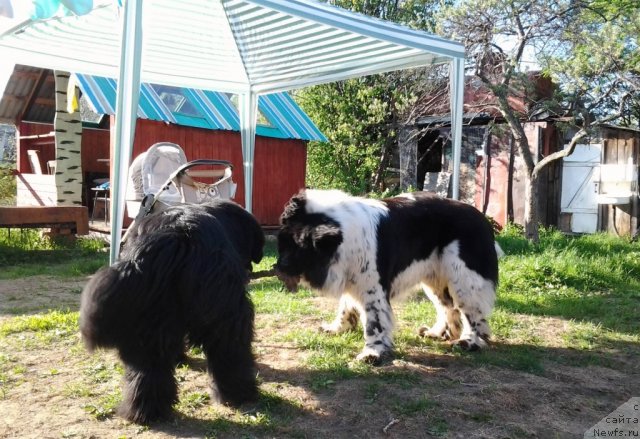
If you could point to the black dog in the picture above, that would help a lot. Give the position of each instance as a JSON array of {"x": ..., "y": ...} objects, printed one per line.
[{"x": 182, "y": 275}]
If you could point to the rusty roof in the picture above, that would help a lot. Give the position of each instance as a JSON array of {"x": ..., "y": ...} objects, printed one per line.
[{"x": 29, "y": 95}]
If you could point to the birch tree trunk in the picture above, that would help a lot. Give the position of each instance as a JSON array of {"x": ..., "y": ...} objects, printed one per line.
[
  {"x": 68, "y": 137},
  {"x": 531, "y": 220}
]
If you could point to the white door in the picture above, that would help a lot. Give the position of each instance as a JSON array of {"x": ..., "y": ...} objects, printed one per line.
[{"x": 580, "y": 173}]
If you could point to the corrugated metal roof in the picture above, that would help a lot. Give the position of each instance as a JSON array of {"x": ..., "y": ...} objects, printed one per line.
[
  {"x": 30, "y": 88},
  {"x": 216, "y": 109}
]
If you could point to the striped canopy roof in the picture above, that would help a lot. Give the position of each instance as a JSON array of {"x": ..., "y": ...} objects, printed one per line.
[
  {"x": 230, "y": 45},
  {"x": 215, "y": 110}
]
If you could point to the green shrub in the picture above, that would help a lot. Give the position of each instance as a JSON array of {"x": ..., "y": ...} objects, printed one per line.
[{"x": 7, "y": 186}]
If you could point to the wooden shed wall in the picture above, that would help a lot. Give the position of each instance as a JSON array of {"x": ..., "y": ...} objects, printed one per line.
[
  {"x": 493, "y": 195},
  {"x": 280, "y": 164},
  {"x": 95, "y": 145},
  {"x": 502, "y": 196},
  {"x": 620, "y": 147},
  {"x": 550, "y": 178}
]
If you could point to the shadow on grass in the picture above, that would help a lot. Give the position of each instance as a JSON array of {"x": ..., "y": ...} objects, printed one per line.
[
  {"x": 539, "y": 360},
  {"x": 453, "y": 391},
  {"x": 431, "y": 386},
  {"x": 64, "y": 262},
  {"x": 611, "y": 311},
  {"x": 270, "y": 415}
]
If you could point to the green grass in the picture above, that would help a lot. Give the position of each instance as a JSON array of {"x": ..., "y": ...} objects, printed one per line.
[
  {"x": 105, "y": 407},
  {"x": 59, "y": 321},
  {"x": 411, "y": 407},
  {"x": 593, "y": 278},
  {"x": 26, "y": 252},
  {"x": 193, "y": 401},
  {"x": 269, "y": 297},
  {"x": 101, "y": 371},
  {"x": 567, "y": 301}
]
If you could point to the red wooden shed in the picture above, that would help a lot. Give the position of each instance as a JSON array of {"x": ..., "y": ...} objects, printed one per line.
[{"x": 204, "y": 123}]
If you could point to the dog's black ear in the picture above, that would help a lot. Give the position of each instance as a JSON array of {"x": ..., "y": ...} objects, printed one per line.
[
  {"x": 294, "y": 206},
  {"x": 326, "y": 238}
]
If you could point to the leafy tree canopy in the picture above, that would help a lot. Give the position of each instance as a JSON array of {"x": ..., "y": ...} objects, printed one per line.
[
  {"x": 360, "y": 117},
  {"x": 597, "y": 61}
]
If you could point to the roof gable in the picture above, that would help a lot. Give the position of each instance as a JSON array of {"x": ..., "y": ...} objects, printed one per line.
[{"x": 214, "y": 110}]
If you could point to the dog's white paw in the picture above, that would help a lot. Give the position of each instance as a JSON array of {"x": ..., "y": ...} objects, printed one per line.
[
  {"x": 368, "y": 356},
  {"x": 432, "y": 332},
  {"x": 330, "y": 328},
  {"x": 470, "y": 343},
  {"x": 373, "y": 356}
]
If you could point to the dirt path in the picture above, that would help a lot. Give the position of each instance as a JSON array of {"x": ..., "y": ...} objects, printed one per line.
[
  {"x": 37, "y": 293},
  {"x": 52, "y": 388}
]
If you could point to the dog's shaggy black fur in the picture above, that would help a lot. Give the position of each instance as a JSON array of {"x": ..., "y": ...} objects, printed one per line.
[{"x": 182, "y": 276}]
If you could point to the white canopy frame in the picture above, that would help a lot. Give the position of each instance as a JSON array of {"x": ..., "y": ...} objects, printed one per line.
[{"x": 246, "y": 47}]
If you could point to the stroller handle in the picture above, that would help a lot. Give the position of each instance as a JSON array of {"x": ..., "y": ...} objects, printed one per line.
[{"x": 200, "y": 162}]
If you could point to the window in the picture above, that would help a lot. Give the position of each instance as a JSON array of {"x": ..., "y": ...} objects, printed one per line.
[
  {"x": 261, "y": 118},
  {"x": 176, "y": 101}
]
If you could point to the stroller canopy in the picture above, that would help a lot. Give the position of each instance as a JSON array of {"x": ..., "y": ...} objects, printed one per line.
[{"x": 163, "y": 171}]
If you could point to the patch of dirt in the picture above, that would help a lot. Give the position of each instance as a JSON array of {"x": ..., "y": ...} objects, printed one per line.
[
  {"x": 37, "y": 293},
  {"x": 51, "y": 387}
]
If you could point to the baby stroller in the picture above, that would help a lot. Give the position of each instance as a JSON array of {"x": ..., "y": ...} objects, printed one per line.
[{"x": 161, "y": 177}]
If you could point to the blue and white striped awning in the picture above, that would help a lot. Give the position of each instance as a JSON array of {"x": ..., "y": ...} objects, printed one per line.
[{"x": 216, "y": 109}]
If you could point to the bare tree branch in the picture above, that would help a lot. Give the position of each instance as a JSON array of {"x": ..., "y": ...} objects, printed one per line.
[{"x": 582, "y": 132}]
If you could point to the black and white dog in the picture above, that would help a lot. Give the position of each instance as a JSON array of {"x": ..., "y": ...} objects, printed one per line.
[
  {"x": 182, "y": 276},
  {"x": 369, "y": 251}
]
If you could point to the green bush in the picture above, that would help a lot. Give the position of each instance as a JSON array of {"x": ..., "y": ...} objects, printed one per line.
[{"x": 7, "y": 186}]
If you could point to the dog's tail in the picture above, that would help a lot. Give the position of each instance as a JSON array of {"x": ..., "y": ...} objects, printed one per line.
[
  {"x": 105, "y": 304},
  {"x": 138, "y": 287}
]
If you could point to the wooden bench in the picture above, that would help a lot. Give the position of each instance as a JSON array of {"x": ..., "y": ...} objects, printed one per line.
[{"x": 73, "y": 218}]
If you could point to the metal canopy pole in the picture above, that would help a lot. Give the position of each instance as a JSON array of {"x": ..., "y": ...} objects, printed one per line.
[
  {"x": 457, "y": 101},
  {"x": 248, "y": 104},
  {"x": 126, "y": 115}
]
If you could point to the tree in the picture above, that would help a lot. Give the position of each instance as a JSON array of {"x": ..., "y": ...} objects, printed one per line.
[
  {"x": 497, "y": 33},
  {"x": 598, "y": 67},
  {"x": 68, "y": 137},
  {"x": 598, "y": 62},
  {"x": 361, "y": 117}
]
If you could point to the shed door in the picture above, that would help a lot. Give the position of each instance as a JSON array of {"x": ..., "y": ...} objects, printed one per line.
[{"x": 580, "y": 173}]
